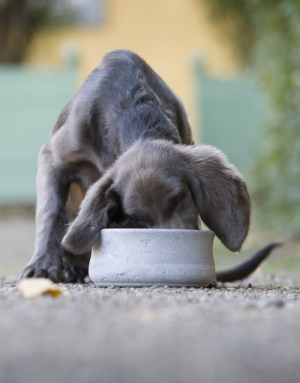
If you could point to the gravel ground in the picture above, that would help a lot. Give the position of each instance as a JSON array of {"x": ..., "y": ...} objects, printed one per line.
[{"x": 234, "y": 333}]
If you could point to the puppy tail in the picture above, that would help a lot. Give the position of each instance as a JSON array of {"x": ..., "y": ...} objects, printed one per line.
[{"x": 245, "y": 269}]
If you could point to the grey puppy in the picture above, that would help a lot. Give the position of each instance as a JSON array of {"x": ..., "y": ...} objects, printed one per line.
[{"x": 125, "y": 141}]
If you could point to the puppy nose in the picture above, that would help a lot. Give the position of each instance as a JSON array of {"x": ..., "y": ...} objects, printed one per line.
[{"x": 165, "y": 225}]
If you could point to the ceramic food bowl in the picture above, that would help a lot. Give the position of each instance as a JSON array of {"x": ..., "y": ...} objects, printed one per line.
[{"x": 146, "y": 257}]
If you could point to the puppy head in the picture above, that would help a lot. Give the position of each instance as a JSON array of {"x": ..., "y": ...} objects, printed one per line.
[
  {"x": 143, "y": 189},
  {"x": 161, "y": 185},
  {"x": 153, "y": 199}
]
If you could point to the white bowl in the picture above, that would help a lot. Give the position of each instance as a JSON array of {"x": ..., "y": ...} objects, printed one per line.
[{"x": 147, "y": 257}]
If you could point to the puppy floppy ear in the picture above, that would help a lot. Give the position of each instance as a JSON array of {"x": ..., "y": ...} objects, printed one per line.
[
  {"x": 97, "y": 210},
  {"x": 220, "y": 193}
]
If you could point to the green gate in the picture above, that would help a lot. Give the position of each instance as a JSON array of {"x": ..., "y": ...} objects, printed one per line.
[
  {"x": 230, "y": 115},
  {"x": 30, "y": 102}
]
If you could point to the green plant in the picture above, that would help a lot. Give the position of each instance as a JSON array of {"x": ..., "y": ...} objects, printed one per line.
[{"x": 266, "y": 35}]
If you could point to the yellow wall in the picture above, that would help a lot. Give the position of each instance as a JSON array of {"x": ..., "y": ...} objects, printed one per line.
[{"x": 168, "y": 34}]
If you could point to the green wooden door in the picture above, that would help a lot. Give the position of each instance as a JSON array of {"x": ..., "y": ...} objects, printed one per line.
[
  {"x": 30, "y": 102},
  {"x": 230, "y": 115}
]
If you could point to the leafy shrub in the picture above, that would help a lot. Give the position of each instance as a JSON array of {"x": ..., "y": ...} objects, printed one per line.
[{"x": 266, "y": 37}]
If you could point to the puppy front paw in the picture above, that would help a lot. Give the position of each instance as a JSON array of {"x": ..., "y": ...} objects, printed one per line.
[
  {"x": 73, "y": 274},
  {"x": 55, "y": 273}
]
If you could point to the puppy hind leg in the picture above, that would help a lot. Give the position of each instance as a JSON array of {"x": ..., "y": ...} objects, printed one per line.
[
  {"x": 75, "y": 197},
  {"x": 75, "y": 266}
]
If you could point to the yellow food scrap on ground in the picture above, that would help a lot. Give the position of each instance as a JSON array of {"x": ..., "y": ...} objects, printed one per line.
[{"x": 34, "y": 287}]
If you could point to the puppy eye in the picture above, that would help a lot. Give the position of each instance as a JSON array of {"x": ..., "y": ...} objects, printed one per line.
[
  {"x": 112, "y": 210},
  {"x": 176, "y": 200}
]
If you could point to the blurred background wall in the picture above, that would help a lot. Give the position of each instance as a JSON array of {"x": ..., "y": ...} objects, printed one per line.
[
  {"x": 171, "y": 35},
  {"x": 168, "y": 34}
]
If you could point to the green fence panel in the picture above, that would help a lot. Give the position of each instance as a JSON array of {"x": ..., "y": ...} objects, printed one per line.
[
  {"x": 231, "y": 113},
  {"x": 30, "y": 102}
]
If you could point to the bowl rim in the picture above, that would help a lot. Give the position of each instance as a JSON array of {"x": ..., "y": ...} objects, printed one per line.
[{"x": 130, "y": 230}]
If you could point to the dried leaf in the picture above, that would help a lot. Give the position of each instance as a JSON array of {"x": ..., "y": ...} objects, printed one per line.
[{"x": 34, "y": 287}]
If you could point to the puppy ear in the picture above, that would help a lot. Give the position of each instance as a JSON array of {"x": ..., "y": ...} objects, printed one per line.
[
  {"x": 96, "y": 212},
  {"x": 220, "y": 193}
]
